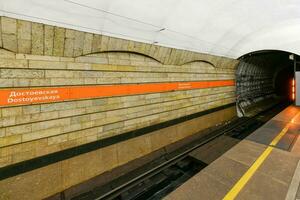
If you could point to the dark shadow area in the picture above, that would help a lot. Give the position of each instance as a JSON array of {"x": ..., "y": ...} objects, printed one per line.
[{"x": 283, "y": 82}]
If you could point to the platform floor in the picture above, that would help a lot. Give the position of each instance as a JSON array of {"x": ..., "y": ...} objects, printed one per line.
[{"x": 264, "y": 166}]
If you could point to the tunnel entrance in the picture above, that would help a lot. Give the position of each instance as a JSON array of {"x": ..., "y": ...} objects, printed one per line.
[
  {"x": 283, "y": 82},
  {"x": 263, "y": 79}
]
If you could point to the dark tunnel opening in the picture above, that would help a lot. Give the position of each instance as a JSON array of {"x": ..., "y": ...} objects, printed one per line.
[
  {"x": 283, "y": 82},
  {"x": 263, "y": 79}
]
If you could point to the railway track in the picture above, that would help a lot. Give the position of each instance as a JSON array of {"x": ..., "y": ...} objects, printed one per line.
[{"x": 178, "y": 167}]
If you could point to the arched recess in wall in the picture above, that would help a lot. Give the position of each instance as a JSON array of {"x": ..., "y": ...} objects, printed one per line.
[
  {"x": 137, "y": 54},
  {"x": 199, "y": 62},
  {"x": 120, "y": 58},
  {"x": 124, "y": 56},
  {"x": 257, "y": 80}
]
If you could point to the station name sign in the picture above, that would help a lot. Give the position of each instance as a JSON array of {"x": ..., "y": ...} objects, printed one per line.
[{"x": 55, "y": 94}]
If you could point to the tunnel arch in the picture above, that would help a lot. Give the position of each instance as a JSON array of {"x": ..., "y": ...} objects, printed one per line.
[{"x": 262, "y": 79}]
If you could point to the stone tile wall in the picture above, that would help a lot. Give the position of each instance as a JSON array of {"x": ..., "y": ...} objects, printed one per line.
[{"x": 37, "y": 55}]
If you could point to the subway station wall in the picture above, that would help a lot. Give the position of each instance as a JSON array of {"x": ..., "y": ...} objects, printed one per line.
[{"x": 60, "y": 88}]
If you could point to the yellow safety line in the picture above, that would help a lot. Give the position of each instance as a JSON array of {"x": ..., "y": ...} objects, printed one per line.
[{"x": 250, "y": 172}]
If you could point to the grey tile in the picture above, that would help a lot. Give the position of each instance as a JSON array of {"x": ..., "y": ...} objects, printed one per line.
[
  {"x": 263, "y": 187},
  {"x": 201, "y": 186},
  {"x": 286, "y": 142},
  {"x": 278, "y": 125},
  {"x": 226, "y": 170},
  {"x": 245, "y": 152},
  {"x": 264, "y": 135},
  {"x": 279, "y": 165}
]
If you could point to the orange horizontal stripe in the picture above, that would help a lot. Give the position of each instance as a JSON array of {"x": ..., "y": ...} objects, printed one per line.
[{"x": 55, "y": 94}]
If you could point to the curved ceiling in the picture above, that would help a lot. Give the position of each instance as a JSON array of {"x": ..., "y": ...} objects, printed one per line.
[{"x": 228, "y": 28}]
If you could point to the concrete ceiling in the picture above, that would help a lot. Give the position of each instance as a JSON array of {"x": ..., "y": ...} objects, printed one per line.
[{"x": 228, "y": 28}]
